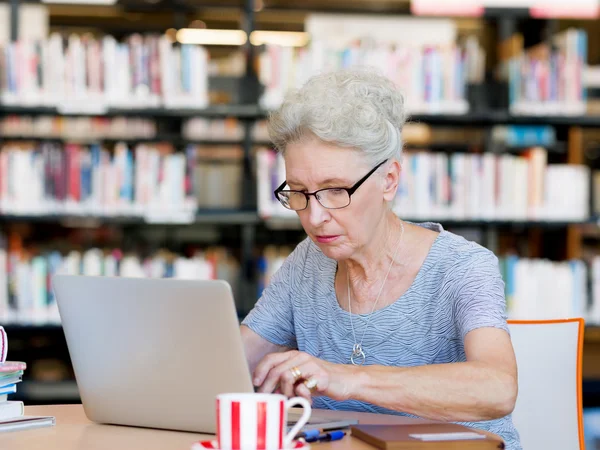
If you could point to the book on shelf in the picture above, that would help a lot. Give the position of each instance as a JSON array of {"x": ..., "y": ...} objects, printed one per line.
[
  {"x": 33, "y": 21},
  {"x": 427, "y": 64},
  {"x": 270, "y": 173},
  {"x": 85, "y": 74},
  {"x": 218, "y": 175},
  {"x": 86, "y": 129},
  {"x": 432, "y": 79},
  {"x": 150, "y": 181},
  {"x": 521, "y": 136},
  {"x": 595, "y": 185},
  {"x": 228, "y": 130},
  {"x": 594, "y": 316},
  {"x": 199, "y": 128},
  {"x": 490, "y": 186},
  {"x": 538, "y": 289},
  {"x": 78, "y": 129},
  {"x": 27, "y": 296},
  {"x": 465, "y": 186},
  {"x": 546, "y": 79}
]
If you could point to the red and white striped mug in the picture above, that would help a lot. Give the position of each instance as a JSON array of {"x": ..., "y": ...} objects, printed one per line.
[{"x": 257, "y": 421}]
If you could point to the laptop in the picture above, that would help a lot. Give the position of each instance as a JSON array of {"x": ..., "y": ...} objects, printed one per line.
[{"x": 154, "y": 352}]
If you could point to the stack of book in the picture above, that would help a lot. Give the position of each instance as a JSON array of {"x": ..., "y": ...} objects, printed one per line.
[
  {"x": 12, "y": 413},
  {"x": 11, "y": 374}
]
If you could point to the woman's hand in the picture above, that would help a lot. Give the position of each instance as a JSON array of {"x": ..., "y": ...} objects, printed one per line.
[{"x": 290, "y": 373}]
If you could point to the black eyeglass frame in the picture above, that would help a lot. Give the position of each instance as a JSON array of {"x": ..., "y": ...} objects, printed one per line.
[{"x": 350, "y": 190}]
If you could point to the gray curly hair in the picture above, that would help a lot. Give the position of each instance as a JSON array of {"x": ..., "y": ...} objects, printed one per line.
[{"x": 354, "y": 108}]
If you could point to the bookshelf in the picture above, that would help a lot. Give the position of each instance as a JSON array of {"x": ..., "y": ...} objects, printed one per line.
[
  {"x": 253, "y": 231},
  {"x": 254, "y": 112},
  {"x": 238, "y": 111},
  {"x": 216, "y": 217}
]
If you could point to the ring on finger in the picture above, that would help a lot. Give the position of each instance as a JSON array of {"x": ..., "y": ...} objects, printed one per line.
[
  {"x": 296, "y": 373},
  {"x": 311, "y": 384}
]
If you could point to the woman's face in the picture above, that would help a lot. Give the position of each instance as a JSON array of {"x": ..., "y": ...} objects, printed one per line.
[{"x": 340, "y": 233}]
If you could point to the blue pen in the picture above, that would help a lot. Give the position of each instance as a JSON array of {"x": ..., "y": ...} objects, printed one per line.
[
  {"x": 327, "y": 437},
  {"x": 306, "y": 434}
]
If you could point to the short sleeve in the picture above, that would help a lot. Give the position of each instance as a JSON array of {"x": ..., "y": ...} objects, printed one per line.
[
  {"x": 272, "y": 317},
  {"x": 480, "y": 297}
]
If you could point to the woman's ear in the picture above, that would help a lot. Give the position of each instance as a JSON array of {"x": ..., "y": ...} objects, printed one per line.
[{"x": 391, "y": 181}]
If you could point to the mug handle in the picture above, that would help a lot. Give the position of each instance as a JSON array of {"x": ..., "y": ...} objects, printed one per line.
[
  {"x": 3, "y": 345},
  {"x": 305, "y": 416}
]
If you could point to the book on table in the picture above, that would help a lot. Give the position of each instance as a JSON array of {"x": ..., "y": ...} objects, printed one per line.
[{"x": 435, "y": 436}]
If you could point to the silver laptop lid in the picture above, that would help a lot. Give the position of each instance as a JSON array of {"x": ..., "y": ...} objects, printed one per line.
[{"x": 152, "y": 352}]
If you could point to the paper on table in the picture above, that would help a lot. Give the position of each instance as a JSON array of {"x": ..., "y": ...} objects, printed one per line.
[
  {"x": 26, "y": 422},
  {"x": 447, "y": 436}
]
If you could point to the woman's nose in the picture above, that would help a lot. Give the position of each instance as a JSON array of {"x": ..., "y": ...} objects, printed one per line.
[{"x": 318, "y": 213}]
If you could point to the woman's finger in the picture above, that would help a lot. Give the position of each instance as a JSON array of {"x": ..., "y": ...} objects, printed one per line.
[
  {"x": 302, "y": 391},
  {"x": 285, "y": 375},
  {"x": 288, "y": 380},
  {"x": 281, "y": 375},
  {"x": 312, "y": 379},
  {"x": 267, "y": 364}
]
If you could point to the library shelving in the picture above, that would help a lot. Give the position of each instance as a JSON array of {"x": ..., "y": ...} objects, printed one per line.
[
  {"x": 255, "y": 231},
  {"x": 254, "y": 112},
  {"x": 239, "y": 111},
  {"x": 216, "y": 217}
]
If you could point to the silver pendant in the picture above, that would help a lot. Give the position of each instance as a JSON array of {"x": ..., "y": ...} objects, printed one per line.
[{"x": 358, "y": 355}]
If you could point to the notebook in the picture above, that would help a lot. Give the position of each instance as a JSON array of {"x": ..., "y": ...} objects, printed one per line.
[
  {"x": 438, "y": 436},
  {"x": 11, "y": 410},
  {"x": 12, "y": 366}
]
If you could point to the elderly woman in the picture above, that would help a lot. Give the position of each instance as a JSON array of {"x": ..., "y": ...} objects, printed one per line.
[{"x": 372, "y": 313}]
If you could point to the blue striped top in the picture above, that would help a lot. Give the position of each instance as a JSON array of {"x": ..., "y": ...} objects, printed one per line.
[{"x": 458, "y": 288}]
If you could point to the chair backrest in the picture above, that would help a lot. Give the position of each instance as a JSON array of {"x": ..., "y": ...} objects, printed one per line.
[{"x": 548, "y": 414}]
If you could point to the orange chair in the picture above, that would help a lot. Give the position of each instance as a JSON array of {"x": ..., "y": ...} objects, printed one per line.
[{"x": 549, "y": 412}]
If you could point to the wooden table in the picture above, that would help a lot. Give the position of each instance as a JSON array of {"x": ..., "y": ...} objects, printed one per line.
[{"x": 73, "y": 431}]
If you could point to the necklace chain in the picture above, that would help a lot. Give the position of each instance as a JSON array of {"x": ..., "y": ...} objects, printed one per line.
[{"x": 358, "y": 355}]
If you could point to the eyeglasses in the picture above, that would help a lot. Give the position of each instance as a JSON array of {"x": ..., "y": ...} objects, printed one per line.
[{"x": 330, "y": 198}]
